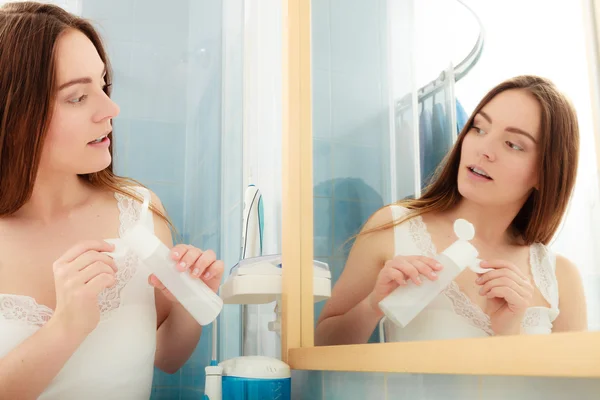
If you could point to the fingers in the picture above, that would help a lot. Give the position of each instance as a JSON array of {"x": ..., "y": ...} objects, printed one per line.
[
  {"x": 508, "y": 294},
  {"x": 64, "y": 272},
  {"x": 500, "y": 264},
  {"x": 179, "y": 251},
  {"x": 188, "y": 255},
  {"x": 395, "y": 275},
  {"x": 505, "y": 282},
  {"x": 85, "y": 246},
  {"x": 92, "y": 256},
  {"x": 505, "y": 275},
  {"x": 214, "y": 271},
  {"x": 155, "y": 282},
  {"x": 203, "y": 263},
  {"x": 498, "y": 273},
  {"x": 100, "y": 282},
  {"x": 413, "y": 267},
  {"x": 93, "y": 270},
  {"x": 424, "y": 269},
  {"x": 200, "y": 263},
  {"x": 410, "y": 271},
  {"x": 432, "y": 263}
]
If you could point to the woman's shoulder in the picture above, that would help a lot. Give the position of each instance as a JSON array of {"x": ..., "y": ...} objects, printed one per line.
[
  {"x": 386, "y": 215},
  {"x": 138, "y": 192},
  {"x": 564, "y": 269}
]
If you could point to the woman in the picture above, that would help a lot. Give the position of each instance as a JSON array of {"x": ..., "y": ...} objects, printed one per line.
[
  {"x": 511, "y": 174},
  {"x": 74, "y": 323}
]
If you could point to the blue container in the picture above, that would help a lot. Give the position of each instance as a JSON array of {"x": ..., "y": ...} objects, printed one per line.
[
  {"x": 256, "y": 378},
  {"x": 235, "y": 388}
]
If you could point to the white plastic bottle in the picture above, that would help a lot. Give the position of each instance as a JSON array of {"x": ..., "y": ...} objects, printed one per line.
[
  {"x": 214, "y": 382},
  {"x": 193, "y": 294},
  {"x": 406, "y": 302}
]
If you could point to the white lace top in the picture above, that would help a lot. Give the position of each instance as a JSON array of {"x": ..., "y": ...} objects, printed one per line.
[
  {"x": 452, "y": 314},
  {"x": 116, "y": 361}
]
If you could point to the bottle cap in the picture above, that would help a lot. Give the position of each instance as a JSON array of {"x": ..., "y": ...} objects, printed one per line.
[
  {"x": 462, "y": 252},
  {"x": 463, "y": 229},
  {"x": 141, "y": 241}
]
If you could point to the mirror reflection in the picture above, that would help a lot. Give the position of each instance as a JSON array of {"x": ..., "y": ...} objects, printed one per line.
[{"x": 462, "y": 208}]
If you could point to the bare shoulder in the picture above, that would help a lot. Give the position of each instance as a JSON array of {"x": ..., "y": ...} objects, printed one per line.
[
  {"x": 379, "y": 218},
  {"x": 566, "y": 270},
  {"x": 377, "y": 236},
  {"x": 385, "y": 216},
  {"x": 572, "y": 301},
  {"x": 156, "y": 202}
]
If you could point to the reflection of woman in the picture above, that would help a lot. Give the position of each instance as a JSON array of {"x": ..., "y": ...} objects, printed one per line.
[
  {"x": 511, "y": 174},
  {"x": 75, "y": 323}
]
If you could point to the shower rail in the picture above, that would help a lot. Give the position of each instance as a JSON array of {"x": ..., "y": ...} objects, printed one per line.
[{"x": 460, "y": 70}]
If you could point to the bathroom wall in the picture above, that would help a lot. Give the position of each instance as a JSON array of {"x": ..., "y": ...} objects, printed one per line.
[{"x": 178, "y": 80}]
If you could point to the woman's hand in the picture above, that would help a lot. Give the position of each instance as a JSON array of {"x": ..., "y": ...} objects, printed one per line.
[
  {"x": 397, "y": 272},
  {"x": 509, "y": 294},
  {"x": 200, "y": 264},
  {"x": 80, "y": 274}
]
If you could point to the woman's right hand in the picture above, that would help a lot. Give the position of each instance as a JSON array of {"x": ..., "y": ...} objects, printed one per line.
[
  {"x": 80, "y": 274},
  {"x": 397, "y": 272}
]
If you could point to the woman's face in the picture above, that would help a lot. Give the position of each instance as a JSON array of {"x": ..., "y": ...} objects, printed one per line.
[
  {"x": 76, "y": 141},
  {"x": 499, "y": 154}
]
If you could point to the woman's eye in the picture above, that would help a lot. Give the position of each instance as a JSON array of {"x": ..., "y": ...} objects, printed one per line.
[
  {"x": 78, "y": 100},
  {"x": 514, "y": 146},
  {"x": 479, "y": 131}
]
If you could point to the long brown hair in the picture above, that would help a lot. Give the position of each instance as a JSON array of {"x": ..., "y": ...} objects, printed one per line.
[
  {"x": 29, "y": 32},
  {"x": 540, "y": 217}
]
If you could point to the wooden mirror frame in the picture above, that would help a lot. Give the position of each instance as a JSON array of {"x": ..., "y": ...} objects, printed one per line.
[{"x": 559, "y": 354}]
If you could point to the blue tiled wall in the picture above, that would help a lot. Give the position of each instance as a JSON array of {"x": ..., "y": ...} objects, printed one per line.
[
  {"x": 167, "y": 60},
  {"x": 350, "y": 124}
]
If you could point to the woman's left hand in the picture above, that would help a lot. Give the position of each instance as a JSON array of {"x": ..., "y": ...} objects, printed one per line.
[
  {"x": 200, "y": 264},
  {"x": 509, "y": 294}
]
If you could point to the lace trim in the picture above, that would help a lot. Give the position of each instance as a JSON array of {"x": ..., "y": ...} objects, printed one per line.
[
  {"x": 25, "y": 308},
  {"x": 539, "y": 319},
  {"x": 461, "y": 303},
  {"x": 421, "y": 237},
  {"x": 464, "y": 307},
  {"x": 129, "y": 212},
  {"x": 533, "y": 317},
  {"x": 542, "y": 269},
  {"x": 110, "y": 298}
]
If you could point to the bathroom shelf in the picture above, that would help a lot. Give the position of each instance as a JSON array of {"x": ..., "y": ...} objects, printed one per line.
[{"x": 572, "y": 354}]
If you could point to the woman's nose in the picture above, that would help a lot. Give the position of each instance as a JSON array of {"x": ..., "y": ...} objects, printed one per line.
[
  {"x": 107, "y": 111},
  {"x": 487, "y": 148}
]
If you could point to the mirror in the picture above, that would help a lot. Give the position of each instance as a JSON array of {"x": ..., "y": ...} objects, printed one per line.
[{"x": 393, "y": 88}]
